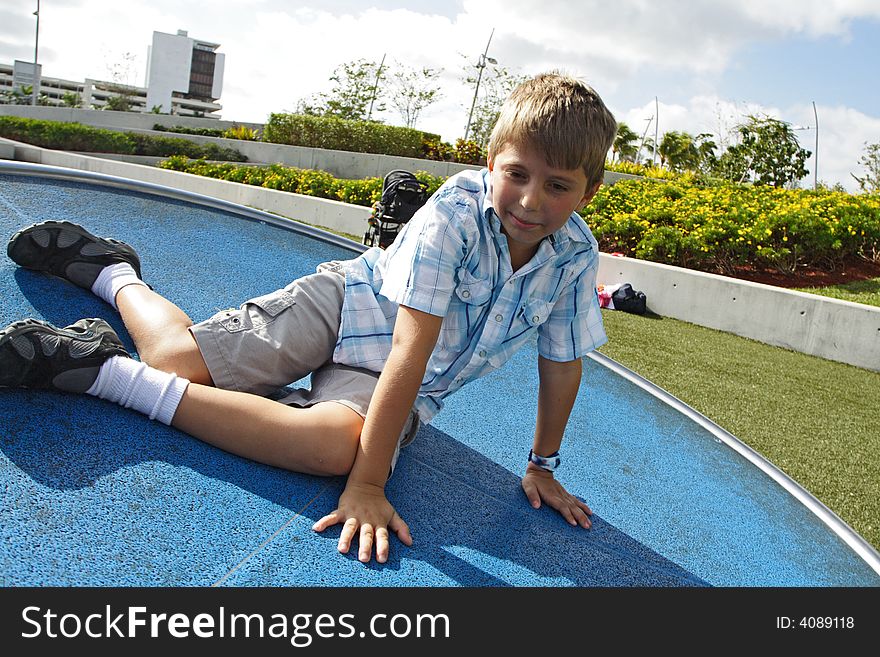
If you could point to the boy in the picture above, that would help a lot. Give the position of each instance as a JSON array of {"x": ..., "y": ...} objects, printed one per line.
[{"x": 492, "y": 258}]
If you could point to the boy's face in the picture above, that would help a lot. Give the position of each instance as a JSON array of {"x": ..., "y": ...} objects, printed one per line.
[{"x": 532, "y": 199}]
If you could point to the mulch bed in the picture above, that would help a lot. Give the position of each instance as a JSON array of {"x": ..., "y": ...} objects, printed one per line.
[{"x": 855, "y": 270}]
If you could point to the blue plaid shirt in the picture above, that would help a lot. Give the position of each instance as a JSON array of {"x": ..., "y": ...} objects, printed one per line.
[{"x": 452, "y": 260}]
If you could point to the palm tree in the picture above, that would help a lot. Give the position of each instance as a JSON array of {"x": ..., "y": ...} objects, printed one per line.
[
  {"x": 678, "y": 151},
  {"x": 624, "y": 146}
]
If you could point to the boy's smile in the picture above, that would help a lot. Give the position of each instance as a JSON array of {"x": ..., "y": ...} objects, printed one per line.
[{"x": 532, "y": 199}]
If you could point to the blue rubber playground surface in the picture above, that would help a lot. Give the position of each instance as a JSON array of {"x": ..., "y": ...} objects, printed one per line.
[{"x": 94, "y": 495}]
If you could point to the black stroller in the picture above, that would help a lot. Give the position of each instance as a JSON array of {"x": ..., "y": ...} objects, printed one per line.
[{"x": 402, "y": 195}]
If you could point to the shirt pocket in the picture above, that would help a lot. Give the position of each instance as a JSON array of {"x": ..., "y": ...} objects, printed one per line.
[
  {"x": 470, "y": 303},
  {"x": 536, "y": 312}
]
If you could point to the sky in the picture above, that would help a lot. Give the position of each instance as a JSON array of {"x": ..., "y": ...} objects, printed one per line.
[{"x": 708, "y": 63}]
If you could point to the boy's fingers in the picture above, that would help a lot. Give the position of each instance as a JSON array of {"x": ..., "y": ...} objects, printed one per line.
[
  {"x": 532, "y": 495},
  {"x": 327, "y": 521},
  {"x": 365, "y": 543},
  {"x": 349, "y": 529},
  {"x": 399, "y": 527},
  {"x": 381, "y": 545},
  {"x": 581, "y": 517}
]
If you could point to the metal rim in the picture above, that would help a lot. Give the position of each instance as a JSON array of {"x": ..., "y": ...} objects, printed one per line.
[{"x": 843, "y": 531}]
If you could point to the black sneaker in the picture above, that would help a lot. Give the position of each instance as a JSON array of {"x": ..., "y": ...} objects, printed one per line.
[
  {"x": 69, "y": 251},
  {"x": 35, "y": 354}
]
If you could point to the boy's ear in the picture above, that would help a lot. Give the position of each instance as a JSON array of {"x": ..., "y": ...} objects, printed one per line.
[
  {"x": 490, "y": 160},
  {"x": 588, "y": 196}
]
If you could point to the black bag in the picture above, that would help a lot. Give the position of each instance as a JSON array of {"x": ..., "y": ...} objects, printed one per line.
[{"x": 628, "y": 300}]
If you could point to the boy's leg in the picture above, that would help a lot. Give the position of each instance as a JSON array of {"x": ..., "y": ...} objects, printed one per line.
[
  {"x": 321, "y": 439},
  {"x": 89, "y": 357},
  {"x": 109, "y": 268},
  {"x": 160, "y": 331}
]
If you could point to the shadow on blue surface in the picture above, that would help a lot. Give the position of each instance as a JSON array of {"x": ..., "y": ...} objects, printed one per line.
[
  {"x": 96, "y": 495},
  {"x": 484, "y": 514}
]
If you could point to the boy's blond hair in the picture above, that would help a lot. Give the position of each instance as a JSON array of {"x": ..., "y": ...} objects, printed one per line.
[{"x": 563, "y": 118}]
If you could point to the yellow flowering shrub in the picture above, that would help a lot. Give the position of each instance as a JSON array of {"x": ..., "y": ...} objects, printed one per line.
[{"x": 719, "y": 227}]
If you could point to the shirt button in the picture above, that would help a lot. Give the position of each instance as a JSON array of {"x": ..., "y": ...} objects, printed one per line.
[
  {"x": 465, "y": 294},
  {"x": 499, "y": 317},
  {"x": 535, "y": 318},
  {"x": 482, "y": 353}
]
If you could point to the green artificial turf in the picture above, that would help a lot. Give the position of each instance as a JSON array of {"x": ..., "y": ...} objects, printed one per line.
[
  {"x": 816, "y": 420},
  {"x": 867, "y": 291}
]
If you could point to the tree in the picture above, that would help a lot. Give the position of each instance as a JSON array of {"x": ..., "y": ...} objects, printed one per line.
[
  {"x": 624, "y": 147},
  {"x": 413, "y": 91},
  {"x": 22, "y": 95},
  {"x": 121, "y": 71},
  {"x": 678, "y": 152},
  {"x": 121, "y": 98},
  {"x": 870, "y": 182},
  {"x": 768, "y": 154},
  {"x": 355, "y": 86},
  {"x": 71, "y": 99},
  {"x": 706, "y": 152},
  {"x": 495, "y": 86}
]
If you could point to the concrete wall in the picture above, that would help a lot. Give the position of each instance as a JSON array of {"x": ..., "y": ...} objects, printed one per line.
[
  {"x": 342, "y": 164},
  {"x": 808, "y": 323},
  {"x": 117, "y": 120},
  {"x": 836, "y": 330}
]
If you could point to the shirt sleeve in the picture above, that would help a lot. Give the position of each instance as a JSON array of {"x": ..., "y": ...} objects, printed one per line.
[
  {"x": 574, "y": 327},
  {"x": 420, "y": 265}
]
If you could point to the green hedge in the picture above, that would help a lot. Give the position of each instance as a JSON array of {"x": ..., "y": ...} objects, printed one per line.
[
  {"x": 298, "y": 181},
  {"x": 183, "y": 130},
  {"x": 77, "y": 137},
  {"x": 712, "y": 228},
  {"x": 725, "y": 226},
  {"x": 343, "y": 135}
]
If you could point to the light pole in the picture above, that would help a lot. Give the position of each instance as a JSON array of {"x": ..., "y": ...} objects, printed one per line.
[
  {"x": 656, "y": 127},
  {"x": 816, "y": 155},
  {"x": 481, "y": 64},
  {"x": 36, "y": 81},
  {"x": 642, "y": 143},
  {"x": 376, "y": 86},
  {"x": 816, "y": 148}
]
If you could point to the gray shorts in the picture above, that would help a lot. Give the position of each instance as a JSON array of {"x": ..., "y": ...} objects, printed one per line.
[{"x": 277, "y": 339}]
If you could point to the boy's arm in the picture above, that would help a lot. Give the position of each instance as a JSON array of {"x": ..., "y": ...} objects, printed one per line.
[
  {"x": 363, "y": 506},
  {"x": 558, "y": 387}
]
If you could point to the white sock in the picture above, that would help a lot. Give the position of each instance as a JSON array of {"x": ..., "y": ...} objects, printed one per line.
[
  {"x": 112, "y": 279},
  {"x": 136, "y": 385}
]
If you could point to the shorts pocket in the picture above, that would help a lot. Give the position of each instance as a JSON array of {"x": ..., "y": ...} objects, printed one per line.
[{"x": 256, "y": 312}]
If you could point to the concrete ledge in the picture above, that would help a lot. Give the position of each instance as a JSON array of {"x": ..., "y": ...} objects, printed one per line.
[
  {"x": 117, "y": 120},
  {"x": 342, "y": 164},
  {"x": 811, "y": 324},
  {"x": 341, "y": 217},
  {"x": 837, "y": 330}
]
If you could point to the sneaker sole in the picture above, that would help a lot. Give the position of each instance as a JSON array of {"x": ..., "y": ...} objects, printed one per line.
[
  {"x": 70, "y": 380},
  {"x": 77, "y": 230}
]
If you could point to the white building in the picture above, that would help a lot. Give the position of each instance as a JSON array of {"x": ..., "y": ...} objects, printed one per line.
[{"x": 184, "y": 75}]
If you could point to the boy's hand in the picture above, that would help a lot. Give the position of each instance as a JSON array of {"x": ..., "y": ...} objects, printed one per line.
[
  {"x": 540, "y": 485},
  {"x": 364, "y": 507}
]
